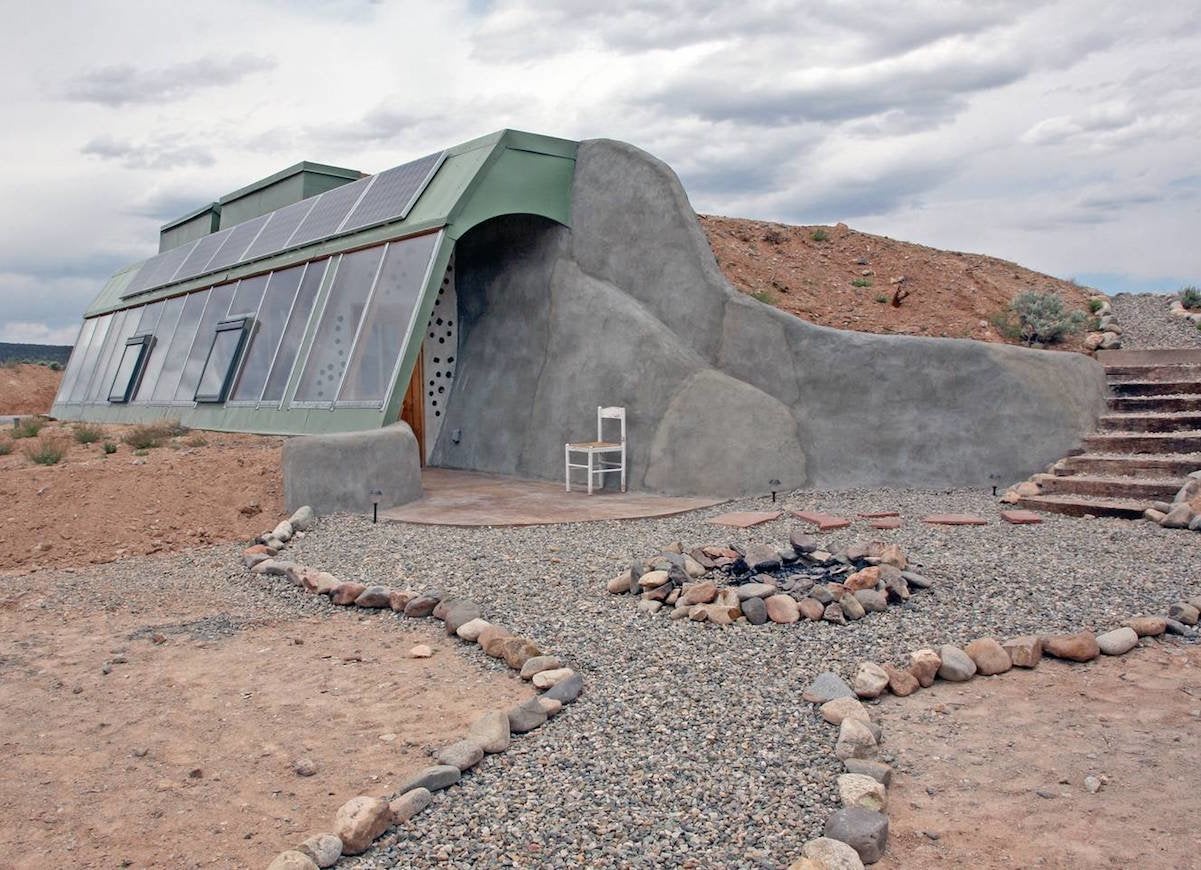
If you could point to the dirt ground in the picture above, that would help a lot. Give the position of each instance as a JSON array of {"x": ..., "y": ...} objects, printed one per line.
[
  {"x": 973, "y": 758},
  {"x": 951, "y": 294},
  {"x": 27, "y": 389},
  {"x": 182, "y": 756},
  {"x": 199, "y": 488}
]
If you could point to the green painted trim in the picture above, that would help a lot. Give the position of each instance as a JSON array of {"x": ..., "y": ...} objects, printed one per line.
[
  {"x": 294, "y": 169},
  {"x": 213, "y": 207}
]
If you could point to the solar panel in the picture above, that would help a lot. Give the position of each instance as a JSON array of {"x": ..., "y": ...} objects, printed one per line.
[
  {"x": 393, "y": 194},
  {"x": 329, "y": 211},
  {"x": 159, "y": 269},
  {"x": 279, "y": 229},
  {"x": 235, "y": 246},
  {"x": 197, "y": 261}
]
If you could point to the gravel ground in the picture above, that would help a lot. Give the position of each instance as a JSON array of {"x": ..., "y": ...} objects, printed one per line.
[
  {"x": 1146, "y": 323},
  {"x": 691, "y": 746}
]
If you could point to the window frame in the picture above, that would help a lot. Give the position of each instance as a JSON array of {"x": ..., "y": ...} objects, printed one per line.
[
  {"x": 231, "y": 324},
  {"x": 146, "y": 340}
]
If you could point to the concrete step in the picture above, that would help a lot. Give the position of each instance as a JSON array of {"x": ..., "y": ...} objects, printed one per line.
[
  {"x": 1079, "y": 505},
  {"x": 1138, "y": 387},
  {"x": 1175, "y": 465},
  {"x": 1167, "y": 421},
  {"x": 1122, "y": 488},
  {"x": 1143, "y": 442},
  {"x": 1155, "y": 404},
  {"x": 1153, "y": 372}
]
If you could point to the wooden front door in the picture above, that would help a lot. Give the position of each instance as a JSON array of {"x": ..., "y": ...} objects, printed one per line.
[{"x": 412, "y": 411}]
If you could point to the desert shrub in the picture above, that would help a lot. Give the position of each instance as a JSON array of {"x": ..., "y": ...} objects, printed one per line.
[
  {"x": 46, "y": 451},
  {"x": 773, "y": 237},
  {"x": 86, "y": 433},
  {"x": 6, "y": 447},
  {"x": 196, "y": 440},
  {"x": 764, "y": 296},
  {"x": 862, "y": 282},
  {"x": 1190, "y": 297},
  {"x": 28, "y": 427},
  {"x": 1094, "y": 305},
  {"x": 1042, "y": 317},
  {"x": 149, "y": 435},
  {"x": 10, "y": 364},
  {"x": 882, "y": 298},
  {"x": 109, "y": 448},
  {"x": 819, "y": 235},
  {"x": 55, "y": 366}
]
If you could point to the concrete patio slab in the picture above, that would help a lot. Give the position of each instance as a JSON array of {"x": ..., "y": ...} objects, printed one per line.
[{"x": 470, "y": 498}]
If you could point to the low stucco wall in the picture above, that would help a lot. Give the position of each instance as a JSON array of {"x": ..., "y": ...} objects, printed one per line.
[
  {"x": 337, "y": 473},
  {"x": 723, "y": 394}
]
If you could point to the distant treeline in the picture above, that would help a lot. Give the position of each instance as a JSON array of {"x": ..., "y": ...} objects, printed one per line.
[{"x": 34, "y": 353}]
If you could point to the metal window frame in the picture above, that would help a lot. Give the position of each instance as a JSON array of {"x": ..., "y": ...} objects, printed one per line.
[
  {"x": 239, "y": 324},
  {"x": 253, "y": 318},
  {"x": 358, "y": 330},
  {"x": 165, "y": 345},
  {"x": 145, "y": 340},
  {"x": 279, "y": 404}
]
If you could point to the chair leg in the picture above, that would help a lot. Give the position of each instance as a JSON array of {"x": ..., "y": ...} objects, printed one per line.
[
  {"x": 590, "y": 475},
  {"x": 567, "y": 469},
  {"x": 623, "y": 468}
]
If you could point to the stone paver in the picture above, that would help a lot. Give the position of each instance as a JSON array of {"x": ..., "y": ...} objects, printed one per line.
[
  {"x": 1021, "y": 518},
  {"x": 955, "y": 520},
  {"x": 824, "y": 522},
  {"x": 746, "y": 519}
]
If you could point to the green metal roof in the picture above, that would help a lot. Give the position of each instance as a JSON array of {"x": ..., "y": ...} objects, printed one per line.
[
  {"x": 506, "y": 172},
  {"x": 294, "y": 169}
]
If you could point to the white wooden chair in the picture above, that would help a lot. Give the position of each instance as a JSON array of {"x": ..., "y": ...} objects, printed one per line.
[{"x": 598, "y": 454}]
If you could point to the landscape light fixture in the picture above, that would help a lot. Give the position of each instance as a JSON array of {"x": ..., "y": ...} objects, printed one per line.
[
  {"x": 375, "y": 497},
  {"x": 774, "y": 484}
]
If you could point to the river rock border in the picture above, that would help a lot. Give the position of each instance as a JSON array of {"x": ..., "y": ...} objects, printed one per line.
[
  {"x": 857, "y": 834},
  {"x": 1177, "y": 309},
  {"x": 866, "y": 577},
  {"x": 363, "y": 819},
  {"x": 1179, "y": 514},
  {"x": 1108, "y": 334}
]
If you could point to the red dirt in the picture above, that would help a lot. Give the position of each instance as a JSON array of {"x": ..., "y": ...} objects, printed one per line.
[
  {"x": 182, "y": 756},
  {"x": 94, "y": 508},
  {"x": 27, "y": 389},
  {"x": 971, "y": 759},
  {"x": 951, "y": 294}
]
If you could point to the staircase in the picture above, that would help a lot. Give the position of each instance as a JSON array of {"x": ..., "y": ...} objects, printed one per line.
[{"x": 1145, "y": 444}]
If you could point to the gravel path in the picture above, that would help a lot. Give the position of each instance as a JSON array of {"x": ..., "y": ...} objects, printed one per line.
[
  {"x": 1146, "y": 323},
  {"x": 691, "y": 746}
]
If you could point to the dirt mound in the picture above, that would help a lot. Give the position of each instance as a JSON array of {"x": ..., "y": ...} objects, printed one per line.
[
  {"x": 92, "y": 507},
  {"x": 27, "y": 389},
  {"x": 840, "y": 277}
]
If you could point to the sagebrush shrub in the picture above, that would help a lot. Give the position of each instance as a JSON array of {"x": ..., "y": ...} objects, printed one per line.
[{"x": 1043, "y": 317}]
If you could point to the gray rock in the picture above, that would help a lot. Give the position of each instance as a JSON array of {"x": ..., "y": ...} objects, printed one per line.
[
  {"x": 1195, "y": 524},
  {"x": 755, "y": 590},
  {"x": 526, "y": 717},
  {"x": 1176, "y": 627},
  {"x": 1178, "y": 517},
  {"x": 465, "y": 754},
  {"x": 460, "y": 613},
  {"x": 567, "y": 691},
  {"x": 827, "y": 854},
  {"x": 762, "y": 557},
  {"x": 323, "y": 849},
  {"x": 877, "y": 770},
  {"x": 833, "y": 613},
  {"x": 802, "y": 542},
  {"x": 538, "y": 664},
  {"x": 917, "y": 581},
  {"x": 491, "y": 731},
  {"x": 1118, "y": 642},
  {"x": 856, "y": 739},
  {"x": 852, "y": 607},
  {"x": 303, "y": 519},
  {"x": 755, "y": 611},
  {"x": 957, "y": 666},
  {"x": 871, "y": 600},
  {"x": 282, "y": 532},
  {"x": 292, "y": 860},
  {"x": 435, "y": 778},
  {"x": 422, "y": 605},
  {"x": 374, "y": 596},
  {"x": 821, "y": 595},
  {"x": 1184, "y": 612},
  {"x": 865, "y": 831},
  {"x": 826, "y": 687},
  {"x": 410, "y": 804}
]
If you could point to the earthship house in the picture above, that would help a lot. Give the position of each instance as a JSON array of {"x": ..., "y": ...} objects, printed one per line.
[{"x": 472, "y": 308}]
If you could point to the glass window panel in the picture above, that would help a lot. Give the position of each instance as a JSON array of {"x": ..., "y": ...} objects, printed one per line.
[
  {"x": 298, "y": 321},
  {"x": 149, "y": 319},
  {"x": 248, "y": 296},
  {"x": 386, "y": 326},
  {"x": 88, "y": 372},
  {"x": 175, "y": 355},
  {"x": 75, "y": 363},
  {"x": 132, "y": 359},
  {"x": 157, "y": 354},
  {"x": 214, "y": 312},
  {"x": 122, "y": 328},
  {"x": 222, "y": 357},
  {"x": 339, "y": 322},
  {"x": 265, "y": 333}
]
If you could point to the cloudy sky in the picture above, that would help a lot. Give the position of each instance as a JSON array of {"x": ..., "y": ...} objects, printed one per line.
[{"x": 1063, "y": 135}]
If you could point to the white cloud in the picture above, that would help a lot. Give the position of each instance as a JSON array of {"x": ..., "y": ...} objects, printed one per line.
[{"x": 37, "y": 333}]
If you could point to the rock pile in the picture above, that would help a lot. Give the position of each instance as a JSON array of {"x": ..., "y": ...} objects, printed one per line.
[
  {"x": 763, "y": 583},
  {"x": 1107, "y": 335},
  {"x": 363, "y": 819},
  {"x": 1177, "y": 309},
  {"x": 1184, "y": 511}
]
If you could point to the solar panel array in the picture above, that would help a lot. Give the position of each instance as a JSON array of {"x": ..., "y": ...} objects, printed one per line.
[{"x": 377, "y": 199}]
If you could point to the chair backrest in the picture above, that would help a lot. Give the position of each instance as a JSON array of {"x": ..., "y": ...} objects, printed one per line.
[{"x": 610, "y": 413}]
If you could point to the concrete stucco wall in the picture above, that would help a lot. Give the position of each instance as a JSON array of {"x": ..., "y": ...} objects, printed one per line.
[
  {"x": 723, "y": 393},
  {"x": 337, "y": 473}
]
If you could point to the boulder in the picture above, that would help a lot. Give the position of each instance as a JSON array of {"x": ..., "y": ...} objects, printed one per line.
[
  {"x": 1118, "y": 642},
  {"x": 855, "y": 740},
  {"x": 1024, "y": 651},
  {"x": 1148, "y": 626},
  {"x": 833, "y": 613},
  {"x": 323, "y": 849},
  {"x": 1078, "y": 647},
  {"x": 916, "y": 581},
  {"x": 841, "y": 708},
  {"x": 870, "y": 680},
  {"x": 824, "y": 853},
  {"x": 292, "y": 860},
  {"x": 811, "y": 608},
  {"x": 868, "y": 578},
  {"x": 565, "y": 692},
  {"x": 359, "y": 821},
  {"x": 538, "y": 664},
  {"x": 421, "y": 606},
  {"x": 283, "y": 532},
  {"x": 699, "y": 593},
  {"x": 435, "y": 778},
  {"x": 924, "y": 665},
  {"x": 801, "y": 541},
  {"x": 347, "y": 592},
  {"x": 410, "y": 804},
  {"x": 1178, "y": 517},
  {"x": 491, "y": 634},
  {"x": 895, "y": 556},
  {"x": 827, "y": 686},
  {"x": 550, "y": 679},
  {"x": 459, "y": 614},
  {"x": 782, "y": 609},
  {"x": 851, "y": 608},
  {"x": 1184, "y": 612},
  {"x": 374, "y": 597},
  {"x": 303, "y": 519},
  {"x": 516, "y": 651},
  {"x": 652, "y": 579},
  {"x": 755, "y": 611},
  {"x": 526, "y": 716},
  {"x": 463, "y": 754},
  {"x": 399, "y": 598},
  {"x": 990, "y": 657},
  {"x": 871, "y": 600},
  {"x": 901, "y": 683},
  {"x": 620, "y": 584},
  {"x": 857, "y": 790},
  {"x": 758, "y": 589},
  {"x": 877, "y": 770},
  {"x": 762, "y": 557},
  {"x": 865, "y": 831},
  {"x": 420, "y": 651},
  {"x": 957, "y": 666},
  {"x": 491, "y": 731},
  {"x": 471, "y": 630}
]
